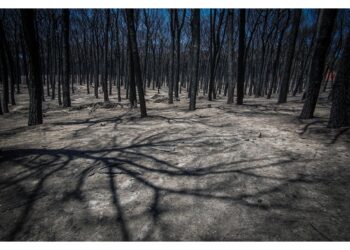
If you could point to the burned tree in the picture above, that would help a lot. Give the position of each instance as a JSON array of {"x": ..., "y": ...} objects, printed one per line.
[
  {"x": 282, "y": 98},
  {"x": 195, "y": 40},
  {"x": 323, "y": 40},
  {"x": 66, "y": 59},
  {"x": 230, "y": 31},
  {"x": 105, "y": 75},
  {"x": 4, "y": 70},
  {"x": 35, "y": 83},
  {"x": 340, "y": 111},
  {"x": 136, "y": 70},
  {"x": 217, "y": 34},
  {"x": 241, "y": 63},
  {"x": 175, "y": 30}
]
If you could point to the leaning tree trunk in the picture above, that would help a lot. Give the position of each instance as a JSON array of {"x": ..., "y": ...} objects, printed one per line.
[
  {"x": 195, "y": 29},
  {"x": 282, "y": 98},
  {"x": 340, "y": 111},
  {"x": 323, "y": 40},
  {"x": 136, "y": 59},
  {"x": 35, "y": 83},
  {"x": 66, "y": 58}
]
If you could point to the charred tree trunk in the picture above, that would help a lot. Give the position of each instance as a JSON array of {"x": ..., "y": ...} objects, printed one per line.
[
  {"x": 178, "y": 26},
  {"x": 35, "y": 83},
  {"x": 241, "y": 64},
  {"x": 323, "y": 40},
  {"x": 66, "y": 59},
  {"x": 1, "y": 112},
  {"x": 10, "y": 62},
  {"x": 282, "y": 98},
  {"x": 136, "y": 59},
  {"x": 105, "y": 75},
  {"x": 118, "y": 55},
  {"x": 4, "y": 71},
  {"x": 171, "y": 82},
  {"x": 195, "y": 30},
  {"x": 340, "y": 111},
  {"x": 131, "y": 78},
  {"x": 277, "y": 59},
  {"x": 230, "y": 90}
]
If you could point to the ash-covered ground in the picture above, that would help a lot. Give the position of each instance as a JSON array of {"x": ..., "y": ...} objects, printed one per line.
[{"x": 223, "y": 172}]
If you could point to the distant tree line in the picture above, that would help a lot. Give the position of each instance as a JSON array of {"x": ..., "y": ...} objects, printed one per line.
[{"x": 227, "y": 52}]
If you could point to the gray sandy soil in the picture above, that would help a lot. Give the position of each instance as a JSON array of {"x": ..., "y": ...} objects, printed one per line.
[{"x": 222, "y": 172}]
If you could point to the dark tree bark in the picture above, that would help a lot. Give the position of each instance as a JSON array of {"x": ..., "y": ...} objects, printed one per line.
[
  {"x": 35, "y": 83},
  {"x": 105, "y": 75},
  {"x": 54, "y": 52},
  {"x": 136, "y": 59},
  {"x": 147, "y": 24},
  {"x": 95, "y": 53},
  {"x": 195, "y": 31},
  {"x": 259, "y": 88},
  {"x": 60, "y": 73},
  {"x": 118, "y": 58},
  {"x": 277, "y": 58},
  {"x": 214, "y": 48},
  {"x": 66, "y": 59},
  {"x": 340, "y": 111},
  {"x": 230, "y": 90},
  {"x": 48, "y": 61},
  {"x": 86, "y": 64},
  {"x": 131, "y": 78},
  {"x": 10, "y": 63},
  {"x": 171, "y": 82},
  {"x": 323, "y": 40},
  {"x": 282, "y": 98},
  {"x": 4, "y": 70},
  {"x": 241, "y": 64},
  {"x": 12, "y": 74},
  {"x": 1, "y": 112},
  {"x": 179, "y": 26},
  {"x": 305, "y": 63},
  {"x": 24, "y": 60},
  {"x": 17, "y": 55}
]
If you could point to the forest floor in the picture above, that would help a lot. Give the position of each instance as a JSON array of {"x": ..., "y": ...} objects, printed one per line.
[{"x": 222, "y": 172}]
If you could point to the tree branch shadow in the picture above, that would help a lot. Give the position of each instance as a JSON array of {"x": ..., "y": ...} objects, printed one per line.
[{"x": 130, "y": 160}]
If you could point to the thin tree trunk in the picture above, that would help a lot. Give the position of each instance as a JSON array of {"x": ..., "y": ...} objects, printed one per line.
[
  {"x": 230, "y": 89},
  {"x": 66, "y": 59},
  {"x": 282, "y": 98},
  {"x": 241, "y": 66},
  {"x": 195, "y": 29},
  {"x": 105, "y": 75}
]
